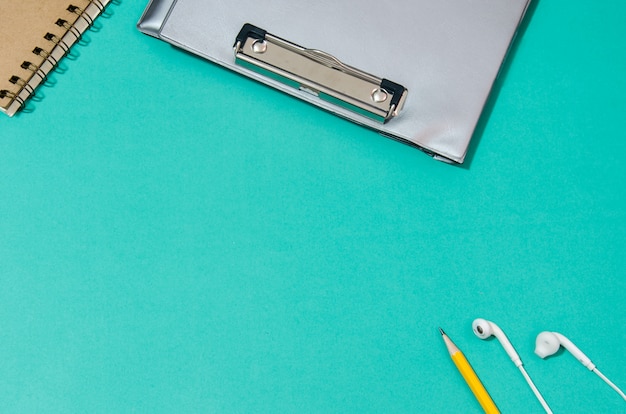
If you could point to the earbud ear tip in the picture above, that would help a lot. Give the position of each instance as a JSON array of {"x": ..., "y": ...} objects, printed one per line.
[
  {"x": 546, "y": 344},
  {"x": 482, "y": 328}
]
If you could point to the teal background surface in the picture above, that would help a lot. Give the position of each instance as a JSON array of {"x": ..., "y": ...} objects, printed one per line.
[{"x": 177, "y": 238}]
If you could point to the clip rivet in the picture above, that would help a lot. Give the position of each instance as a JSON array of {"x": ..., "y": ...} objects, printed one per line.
[
  {"x": 259, "y": 46},
  {"x": 379, "y": 95}
]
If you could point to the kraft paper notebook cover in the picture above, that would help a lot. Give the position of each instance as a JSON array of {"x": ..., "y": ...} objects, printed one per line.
[
  {"x": 415, "y": 70},
  {"x": 34, "y": 36}
]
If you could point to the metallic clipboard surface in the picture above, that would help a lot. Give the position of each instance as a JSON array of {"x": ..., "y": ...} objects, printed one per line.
[{"x": 446, "y": 54}]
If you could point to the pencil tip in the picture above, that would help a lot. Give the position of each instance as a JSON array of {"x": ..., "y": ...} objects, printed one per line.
[{"x": 441, "y": 330}]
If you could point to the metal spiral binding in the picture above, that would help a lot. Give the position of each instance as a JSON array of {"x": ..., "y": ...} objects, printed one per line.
[
  {"x": 69, "y": 27},
  {"x": 59, "y": 42},
  {"x": 16, "y": 80},
  {"x": 34, "y": 68},
  {"x": 47, "y": 55},
  {"x": 44, "y": 54},
  {"x": 99, "y": 4},
  {"x": 81, "y": 14},
  {"x": 13, "y": 96}
]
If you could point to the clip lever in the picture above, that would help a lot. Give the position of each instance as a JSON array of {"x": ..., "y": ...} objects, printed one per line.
[{"x": 318, "y": 73}]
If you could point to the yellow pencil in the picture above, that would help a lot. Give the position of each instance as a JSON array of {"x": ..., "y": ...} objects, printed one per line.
[{"x": 469, "y": 375}]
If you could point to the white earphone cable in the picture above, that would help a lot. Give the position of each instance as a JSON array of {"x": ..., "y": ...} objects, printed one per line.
[
  {"x": 608, "y": 381},
  {"x": 535, "y": 390}
]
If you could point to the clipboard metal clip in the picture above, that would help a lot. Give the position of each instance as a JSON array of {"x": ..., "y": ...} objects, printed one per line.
[{"x": 318, "y": 73}]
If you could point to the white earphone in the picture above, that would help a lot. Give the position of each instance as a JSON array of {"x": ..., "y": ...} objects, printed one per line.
[
  {"x": 484, "y": 329},
  {"x": 548, "y": 343}
]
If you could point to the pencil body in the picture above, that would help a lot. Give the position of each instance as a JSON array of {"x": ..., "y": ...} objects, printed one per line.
[{"x": 470, "y": 377}]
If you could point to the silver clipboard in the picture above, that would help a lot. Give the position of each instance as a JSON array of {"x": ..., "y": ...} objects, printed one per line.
[{"x": 444, "y": 57}]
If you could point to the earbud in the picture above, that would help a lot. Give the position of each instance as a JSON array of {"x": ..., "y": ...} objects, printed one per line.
[
  {"x": 484, "y": 329},
  {"x": 548, "y": 343}
]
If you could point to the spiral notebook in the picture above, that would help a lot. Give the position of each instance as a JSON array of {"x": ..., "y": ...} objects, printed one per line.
[
  {"x": 418, "y": 71},
  {"x": 34, "y": 36}
]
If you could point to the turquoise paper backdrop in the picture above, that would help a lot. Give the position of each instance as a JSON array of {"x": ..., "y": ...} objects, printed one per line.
[{"x": 175, "y": 238}]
